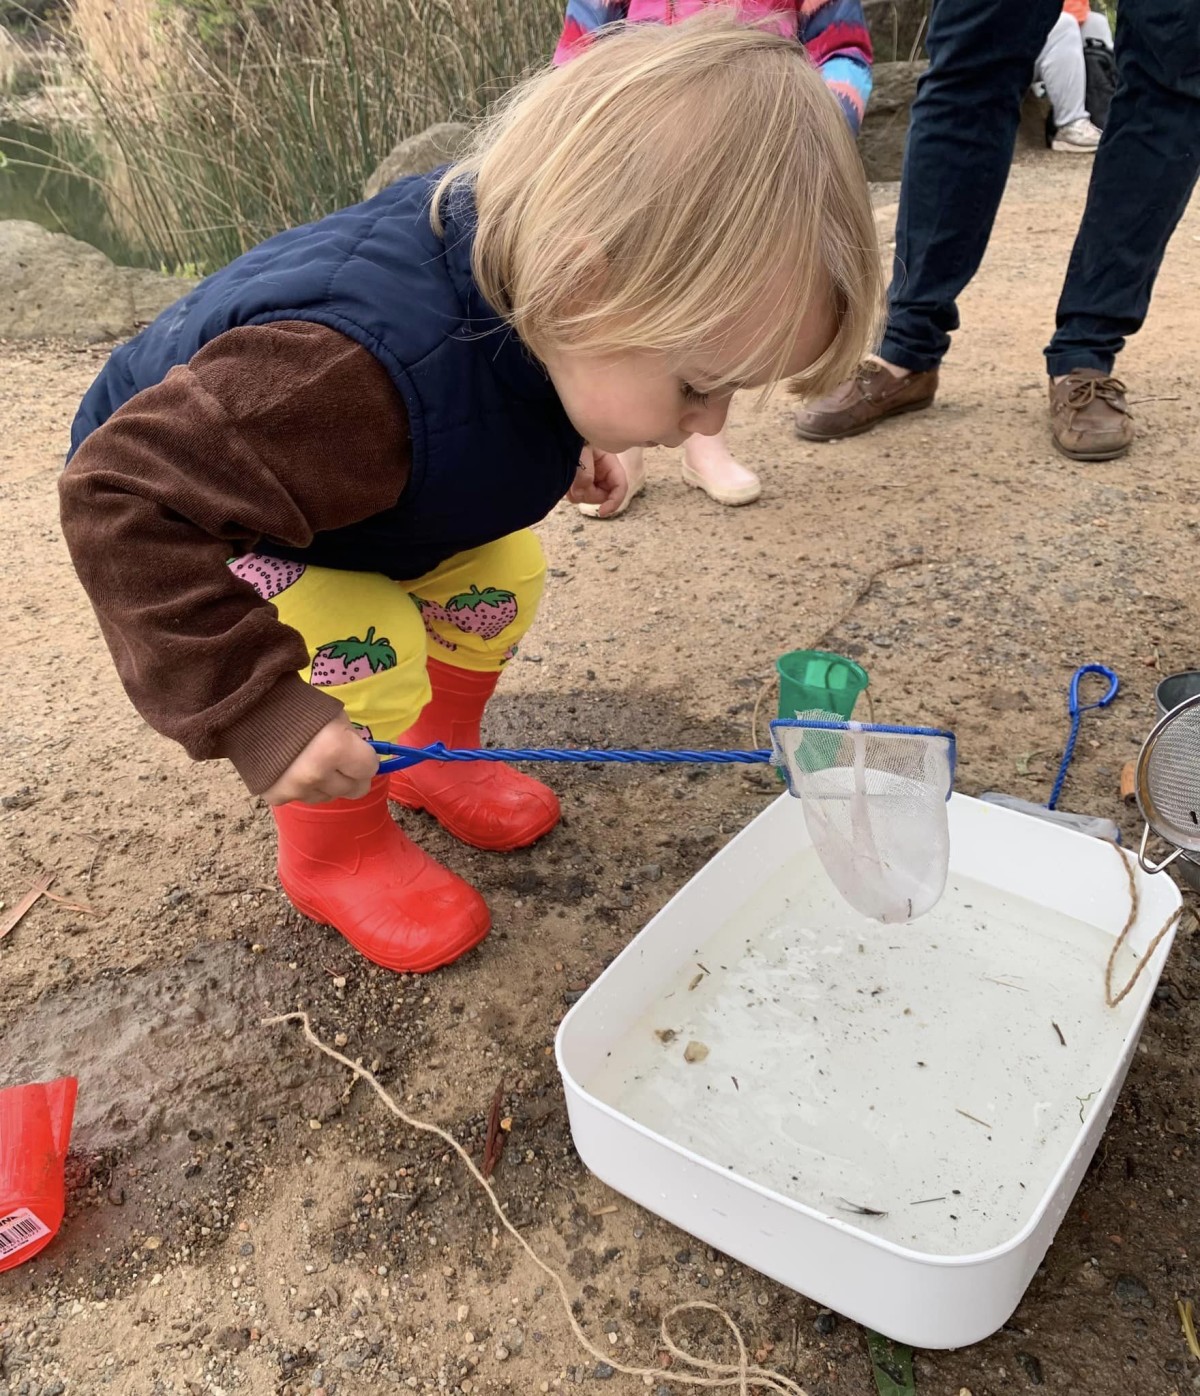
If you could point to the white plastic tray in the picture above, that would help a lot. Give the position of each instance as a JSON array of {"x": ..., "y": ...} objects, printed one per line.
[{"x": 914, "y": 1294}]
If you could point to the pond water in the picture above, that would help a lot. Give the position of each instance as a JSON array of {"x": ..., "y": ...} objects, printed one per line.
[{"x": 34, "y": 186}]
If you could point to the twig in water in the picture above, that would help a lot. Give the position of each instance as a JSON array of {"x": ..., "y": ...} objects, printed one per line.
[
  {"x": 859, "y": 1210},
  {"x": 921, "y": 1201},
  {"x": 1006, "y": 984},
  {"x": 966, "y": 1114},
  {"x": 1058, "y": 1030},
  {"x": 496, "y": 1138}
]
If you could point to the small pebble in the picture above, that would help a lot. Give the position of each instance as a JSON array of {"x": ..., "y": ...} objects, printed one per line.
[
  {"x": 695, "y": 1052},
  {"x": 825, "y": 1322},
  {"x": 604, "y": 1372}
]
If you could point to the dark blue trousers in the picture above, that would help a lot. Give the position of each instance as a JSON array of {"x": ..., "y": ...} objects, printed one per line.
[{"x": 960, "y": 144}]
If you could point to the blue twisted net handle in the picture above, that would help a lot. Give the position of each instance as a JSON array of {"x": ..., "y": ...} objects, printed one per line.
[
  {"x": 1075, "y": 710},
  {"x": 398, "y": 758}
]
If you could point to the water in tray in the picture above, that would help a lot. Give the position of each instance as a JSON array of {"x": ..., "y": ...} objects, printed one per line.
[{"x": 935, "y": 1072}]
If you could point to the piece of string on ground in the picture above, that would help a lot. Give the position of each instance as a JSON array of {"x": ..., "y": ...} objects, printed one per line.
[
  {"x": 742, "y": 1375},
  {"x": 1109, "y": 997}
]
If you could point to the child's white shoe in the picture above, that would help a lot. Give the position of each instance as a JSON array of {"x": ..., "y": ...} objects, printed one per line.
[
  {"x": 708, "y": 466},
  {"x": 1077, "y": 137}
]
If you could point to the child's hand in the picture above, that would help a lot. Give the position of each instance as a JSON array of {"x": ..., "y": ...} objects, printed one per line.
[
  {"x": 336, "y": 765},
  {"x": 601, "y": 480}
]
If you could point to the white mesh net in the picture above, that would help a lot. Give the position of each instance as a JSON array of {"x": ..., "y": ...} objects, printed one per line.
[{"x": 875, "y": 806}]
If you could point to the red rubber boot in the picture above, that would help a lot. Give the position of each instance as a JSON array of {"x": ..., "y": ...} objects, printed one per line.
[
  {"x": 348, "y": 865},
  {"x": 483, "y": 803}
]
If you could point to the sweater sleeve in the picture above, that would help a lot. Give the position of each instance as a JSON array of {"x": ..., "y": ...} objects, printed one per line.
[
  {"x": 580, "y": 22},
  {"x": 835, "y": 34},
  {"x": 279, "y": 431}
]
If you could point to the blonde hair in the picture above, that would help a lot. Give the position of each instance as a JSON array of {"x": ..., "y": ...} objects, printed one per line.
[{"x": 651, "y": 193}]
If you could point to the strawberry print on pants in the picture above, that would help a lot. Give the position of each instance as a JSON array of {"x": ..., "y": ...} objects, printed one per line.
[
  {"x": 484, "y": 613},
  {"x": 345, "y": 661},
  {"x": 431, "y": 611},
  {"x": 267, "y": 575}
]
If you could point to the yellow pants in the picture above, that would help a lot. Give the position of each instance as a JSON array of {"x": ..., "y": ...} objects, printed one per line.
[{"x": 369, "y": 636}]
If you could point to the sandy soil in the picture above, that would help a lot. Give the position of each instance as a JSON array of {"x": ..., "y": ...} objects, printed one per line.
[{"x": 241, "y": 1220}]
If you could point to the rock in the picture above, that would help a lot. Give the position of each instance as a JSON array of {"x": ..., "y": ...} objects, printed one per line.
[
  {"x": 152, "y": 292},
  {"x": 1031, "y": 1367},
  {"x": 825, "y": 1322},
  {"x": 439, "y": 144},
  {"x": 54, "y": 1388},
  {"x": 885, "y": 126},
  {"x": 56, "y": 287},
  {"x": 1130, "y": 1290},
  {"x": 604, "y": 1372}
]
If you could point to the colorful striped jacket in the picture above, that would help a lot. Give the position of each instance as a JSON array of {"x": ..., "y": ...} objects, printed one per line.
[{"x": 834, "y": 34}]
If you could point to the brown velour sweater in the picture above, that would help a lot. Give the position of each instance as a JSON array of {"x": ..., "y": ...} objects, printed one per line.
[{"x": 271, "y": 431}]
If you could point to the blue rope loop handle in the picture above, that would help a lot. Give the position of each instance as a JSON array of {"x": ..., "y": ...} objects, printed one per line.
[
  {"x": 399, "y": 758},
  {"x": 1076, "y": 709}
]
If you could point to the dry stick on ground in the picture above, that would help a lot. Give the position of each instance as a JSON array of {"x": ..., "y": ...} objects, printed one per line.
[
  {"x": 742, "y": 1376},
  {"x": 27, "y": 902},
  {"x": 496, "y": 1138}
]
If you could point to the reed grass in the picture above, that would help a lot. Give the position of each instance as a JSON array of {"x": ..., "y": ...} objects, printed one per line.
[{"x": 215, "y": 140}]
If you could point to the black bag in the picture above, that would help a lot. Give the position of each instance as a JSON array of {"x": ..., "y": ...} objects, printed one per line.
[{"x": 1100, "y": 68}]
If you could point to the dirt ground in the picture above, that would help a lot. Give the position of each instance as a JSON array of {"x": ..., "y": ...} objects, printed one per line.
[{"x": 241, "y": 1220}]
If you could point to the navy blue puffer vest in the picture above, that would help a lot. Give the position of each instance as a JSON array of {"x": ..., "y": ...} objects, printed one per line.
[{"x": 492, "y": 449}]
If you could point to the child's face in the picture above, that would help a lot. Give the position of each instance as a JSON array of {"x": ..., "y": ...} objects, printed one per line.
[{"x": 644, "y": 398}]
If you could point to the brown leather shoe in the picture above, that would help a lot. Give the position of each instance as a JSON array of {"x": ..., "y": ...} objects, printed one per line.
[
  {"x": 871, "y": 395},
  {"x": 1088, "y": 415}
]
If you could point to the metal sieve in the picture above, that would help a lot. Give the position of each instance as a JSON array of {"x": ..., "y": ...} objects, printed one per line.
[{"x": 1167, "y": 783}]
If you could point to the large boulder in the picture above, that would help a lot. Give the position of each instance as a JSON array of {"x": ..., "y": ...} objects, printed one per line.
[
  {"x": 440, "y": 144},
  {"x": 55, "y": 287},
  {"x": 885, "y": 126}
]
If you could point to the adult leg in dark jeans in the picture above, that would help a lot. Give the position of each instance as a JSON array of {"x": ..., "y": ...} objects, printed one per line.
[
  {"x": 956, "y": 162},
  {"x": 960, "y": 143},
  {"x": 1145, "y": 171}
]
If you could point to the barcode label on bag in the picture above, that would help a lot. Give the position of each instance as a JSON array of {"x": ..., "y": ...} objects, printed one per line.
[{"x": 20, "y": 1229}]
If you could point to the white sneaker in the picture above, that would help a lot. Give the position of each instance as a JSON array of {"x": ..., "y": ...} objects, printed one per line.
[{"x": 1077, "y": 137}]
